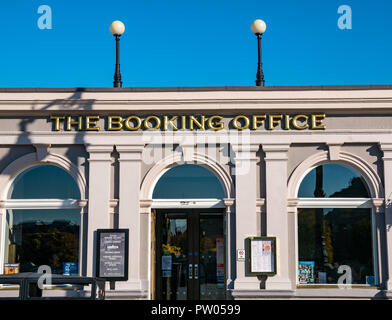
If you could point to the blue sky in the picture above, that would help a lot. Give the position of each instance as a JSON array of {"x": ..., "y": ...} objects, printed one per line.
[{"x": 195, "y": 43}]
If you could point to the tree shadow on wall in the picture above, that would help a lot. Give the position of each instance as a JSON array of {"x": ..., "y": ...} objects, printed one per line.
[{"x": 26, "y": 138}]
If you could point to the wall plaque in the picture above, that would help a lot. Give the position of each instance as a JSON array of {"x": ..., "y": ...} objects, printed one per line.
[{"x": 112, "y": 254}]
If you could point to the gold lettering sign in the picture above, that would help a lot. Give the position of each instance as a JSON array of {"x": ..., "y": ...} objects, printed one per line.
[{"x": 189, "y": 122}]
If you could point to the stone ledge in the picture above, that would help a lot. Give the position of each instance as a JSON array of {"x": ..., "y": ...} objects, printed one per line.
[
  {"x": 349, "y": 294},
  {"x": 126, "y": 295}
]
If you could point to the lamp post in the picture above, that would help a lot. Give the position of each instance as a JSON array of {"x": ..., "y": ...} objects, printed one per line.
[
  {"x": 258, "y": 28},
  {"x": 117, "y": 28}
]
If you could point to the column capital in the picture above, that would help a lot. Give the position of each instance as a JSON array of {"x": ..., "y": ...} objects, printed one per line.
[
  {"x": 292, "y": 204},
  {"x": 113, "y": 205},
  {"x": 275, "y": 151},
  {"x": 386, "y": 148},
  {"x": 245, "y": 152},
  {"x": 246, "y": 147},
  {"x": 260, "y": 205},
  {"x": 228, "y": 202},
  {"x": 130, "y": 152},
  {"x": 130, "y": 148},
  {"x": 145, "y": 205},
  {"x": 99, "y": 152}
]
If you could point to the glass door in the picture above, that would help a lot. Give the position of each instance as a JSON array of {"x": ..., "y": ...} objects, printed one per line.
[
  {"x": 212, "y": 256},
  {"x": 190, "y": 255},
  {"x": 172, "y": 256}
]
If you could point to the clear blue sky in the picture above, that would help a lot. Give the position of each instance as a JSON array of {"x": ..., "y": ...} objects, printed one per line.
[{"x": 195, "y": 43}]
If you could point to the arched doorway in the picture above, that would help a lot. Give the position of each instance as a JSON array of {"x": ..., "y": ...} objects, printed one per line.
[{"x": 189, "y": 224}]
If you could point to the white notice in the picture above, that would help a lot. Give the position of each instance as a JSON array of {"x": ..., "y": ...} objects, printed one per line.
[{"x": 262, "y": 260}]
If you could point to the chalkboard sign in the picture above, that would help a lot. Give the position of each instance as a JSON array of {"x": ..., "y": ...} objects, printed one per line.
[{"x": 112, "y": 254}]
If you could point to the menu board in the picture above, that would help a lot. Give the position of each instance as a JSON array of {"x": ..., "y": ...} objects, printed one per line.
[
  {"x": 261, "y": 256},
  {"x": 112, "y": 254}
]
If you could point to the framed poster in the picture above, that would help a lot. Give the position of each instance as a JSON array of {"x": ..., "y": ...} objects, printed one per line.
[
  {"x": 306, "y": 272},
  {"x": 262, "y": 256},
  {"x": 112, "y": 254}
]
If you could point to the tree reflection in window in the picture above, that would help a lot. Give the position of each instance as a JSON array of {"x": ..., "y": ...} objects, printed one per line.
[
  {"x": 38, "y": 235},
  {"x": 331, "y": 237},
  {"x": 333, "y": 181}
]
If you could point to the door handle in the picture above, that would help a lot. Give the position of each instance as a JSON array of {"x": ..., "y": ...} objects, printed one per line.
[
  {"x": 190, "y": 271},
  {"x": 196, "y": 271}
]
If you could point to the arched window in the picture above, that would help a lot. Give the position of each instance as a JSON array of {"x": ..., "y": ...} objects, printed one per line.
[
  {"x": 188, "y": 181},
  {"x": 43, "y": 221},
  {"x": 335, "y": 228}
]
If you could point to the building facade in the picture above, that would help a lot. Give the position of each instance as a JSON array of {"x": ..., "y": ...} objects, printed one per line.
[{"x": 193, "y": 173}]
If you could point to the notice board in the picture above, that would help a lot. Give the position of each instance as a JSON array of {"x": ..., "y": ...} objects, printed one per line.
[
  {"x": 262, "y": 256},
  {"x": 112, "y": 254}
]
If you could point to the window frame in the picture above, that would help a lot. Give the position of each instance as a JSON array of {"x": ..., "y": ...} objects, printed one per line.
[
  {"x": 337, "y": 203},
  {"x": 39, "y": 204}
]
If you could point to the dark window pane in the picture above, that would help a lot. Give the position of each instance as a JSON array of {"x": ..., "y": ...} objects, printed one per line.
[
  {"x": 42, "y": 237},
  {"x": 44, "y": 182},
  {"x": 212, "y": 258},
  {"x": 188, "y": 182},
  {"x": 333, "y": 181},
  {"x": 174, "y": 257},
  {"x": 330, "y": 238}
]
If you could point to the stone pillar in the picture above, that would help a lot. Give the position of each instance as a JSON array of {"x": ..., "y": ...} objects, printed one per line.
[
  {"x": 98, "y": 198},
  {"x": 387, "y": 159},
  {"x": 245, "y": 209},
  {"x": 277, "y": 216},
  {"x": 130, "y": 159},
  {"x": 230, "y": 253}
]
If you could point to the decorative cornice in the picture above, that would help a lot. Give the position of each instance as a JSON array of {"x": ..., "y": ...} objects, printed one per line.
[{"x": 355, "y": 98}]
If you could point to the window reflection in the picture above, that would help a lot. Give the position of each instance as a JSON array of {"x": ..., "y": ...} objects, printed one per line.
[
  {"x": 212, "y": 258},
  {"x": 44, "y": 182},
  {"x": 329, "y": 238},
  {"x": 333, "y": 181},
  {"x": 174, "y": 257},
  {"x": 188, "y": 182},
  {"x": 42, "y": 237}
]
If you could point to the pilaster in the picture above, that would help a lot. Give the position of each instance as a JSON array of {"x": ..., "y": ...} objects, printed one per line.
[
  {"x": 130, "y": 158},
  {"x": 98, "y": 197},
  {"x": 277, "y": 215},
  {"x": 245, "y": 209},
  {"x": 387, "y": 160}
]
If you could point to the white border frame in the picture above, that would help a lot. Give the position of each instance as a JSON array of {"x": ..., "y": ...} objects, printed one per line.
[
  {"x": 24, "y": 163},
  {"x": 372, "y": 181}
]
